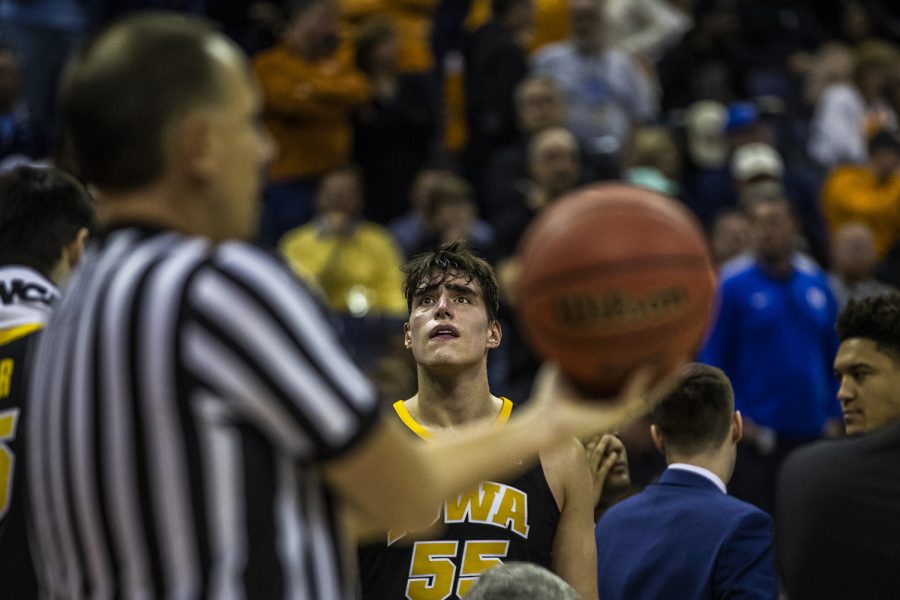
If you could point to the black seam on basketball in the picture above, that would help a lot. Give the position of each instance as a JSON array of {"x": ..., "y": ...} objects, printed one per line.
[
  {"x": 668, "y": 328},
  {"x": 620, "y": 264}
]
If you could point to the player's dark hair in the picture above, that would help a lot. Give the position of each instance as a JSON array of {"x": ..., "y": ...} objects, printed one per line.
[
  {"x": 127, "y": 86},
  {"x": 452, "y": 260},
  {"x": 41, "y": 211},
  {"x": 876, "y": 318},
  {"x": 696, "y": 416}
]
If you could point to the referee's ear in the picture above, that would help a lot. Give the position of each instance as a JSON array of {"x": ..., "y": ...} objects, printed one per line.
[
  {"x": 407, "y": 337},
  {"x": 192, "y": 147}
]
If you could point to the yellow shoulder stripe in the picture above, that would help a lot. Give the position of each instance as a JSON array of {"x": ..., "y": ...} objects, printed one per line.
[
  {"x": 409, "y": 421},
  {"x": 505, "y": 411},
  {"x": 14, "y": 333}
]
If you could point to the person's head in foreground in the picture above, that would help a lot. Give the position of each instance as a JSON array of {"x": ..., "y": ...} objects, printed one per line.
[{"x": 521, "y": 581}]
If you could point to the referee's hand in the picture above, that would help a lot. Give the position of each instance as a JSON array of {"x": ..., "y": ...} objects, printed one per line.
[{"x": 574, "y": 414}]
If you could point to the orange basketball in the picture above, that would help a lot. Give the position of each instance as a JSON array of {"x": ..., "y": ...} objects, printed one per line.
[{"x": 614, "y": 277}]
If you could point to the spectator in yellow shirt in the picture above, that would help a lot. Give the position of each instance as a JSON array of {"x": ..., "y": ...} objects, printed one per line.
[
  {"x": 868, "y": 193},
  {"x": 311, "y": 89},
  {"x": 354, "y": 262}
]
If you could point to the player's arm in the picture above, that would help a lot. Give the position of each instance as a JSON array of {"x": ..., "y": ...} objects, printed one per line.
[{"x": 574, "y": 554}]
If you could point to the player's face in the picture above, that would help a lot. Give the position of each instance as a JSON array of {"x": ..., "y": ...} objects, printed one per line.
[
  {"x": 870, "y": 385},
  {"x": 239, "y": 150},
  {"x": 448, "y": 325}
]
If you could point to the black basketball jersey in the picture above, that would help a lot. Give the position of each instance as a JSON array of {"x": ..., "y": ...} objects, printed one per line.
[
  {"x": 499, "y": 521},
  {"x": 17, "y": 579}
]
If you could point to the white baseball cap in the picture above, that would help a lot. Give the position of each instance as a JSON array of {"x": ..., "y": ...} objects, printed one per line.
[{"x": 755, "y": 160}]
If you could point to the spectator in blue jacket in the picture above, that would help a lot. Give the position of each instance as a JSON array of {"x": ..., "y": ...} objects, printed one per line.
[{"x": 774, "y": 337}]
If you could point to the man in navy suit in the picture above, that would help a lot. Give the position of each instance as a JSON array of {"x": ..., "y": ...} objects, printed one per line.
[{"x": 684, "y": 536}]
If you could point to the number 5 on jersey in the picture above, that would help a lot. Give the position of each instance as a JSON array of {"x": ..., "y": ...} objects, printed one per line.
[
  {"x": 8, "y": 422},
  {"x": 432, "y": 572}
]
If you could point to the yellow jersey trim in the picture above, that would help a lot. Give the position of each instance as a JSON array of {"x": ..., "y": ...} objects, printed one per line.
[
  {"x": 14, "y": 333},
  {"x": 409, "y": 421}
]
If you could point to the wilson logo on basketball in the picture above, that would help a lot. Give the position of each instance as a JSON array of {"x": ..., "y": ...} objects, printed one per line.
[{"x": 617, "y": 309}]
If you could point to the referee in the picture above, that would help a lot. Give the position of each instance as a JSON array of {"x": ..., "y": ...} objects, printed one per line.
[{"x": 196, "y": 429}]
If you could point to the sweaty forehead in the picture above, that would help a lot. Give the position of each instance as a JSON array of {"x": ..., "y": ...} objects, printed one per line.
[{"x": 449, "y": 278}]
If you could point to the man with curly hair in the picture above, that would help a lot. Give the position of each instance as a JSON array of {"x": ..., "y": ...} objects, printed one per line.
[
  {"x": 868, "y": 363},
  {"x": 838, "y": 512}
]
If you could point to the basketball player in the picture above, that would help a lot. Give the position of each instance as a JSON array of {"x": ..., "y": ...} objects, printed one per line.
[
  {"x": 45, "y": 216},
  {"x": 545, "y": 516},
  {"x": 196, "y": 428}
]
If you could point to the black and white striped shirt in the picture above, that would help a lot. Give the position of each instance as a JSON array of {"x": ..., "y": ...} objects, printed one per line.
[{"x": 183, "y": 397}]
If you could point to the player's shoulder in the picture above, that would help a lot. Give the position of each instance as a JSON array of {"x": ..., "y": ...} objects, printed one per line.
[{"x": 566, "y": 468}]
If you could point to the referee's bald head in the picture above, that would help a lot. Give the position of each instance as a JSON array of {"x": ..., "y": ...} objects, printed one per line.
[{"x": 126, "y": 87}]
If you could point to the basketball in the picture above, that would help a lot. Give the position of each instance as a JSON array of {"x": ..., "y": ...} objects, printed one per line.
[{"x": 614, "y": 277}]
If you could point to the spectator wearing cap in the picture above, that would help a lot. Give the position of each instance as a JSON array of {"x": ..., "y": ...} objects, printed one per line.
[
  {"x": 758, "y": 170},
  {"x": 704, "y": 128},
  {"x": 752, "y": 163},
  {"x": 713, "y": 132},
  {"x": 868, "y": 193}
]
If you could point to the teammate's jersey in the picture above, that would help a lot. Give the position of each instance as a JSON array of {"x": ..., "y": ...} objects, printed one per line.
[
  {"x": 17, "y": 578},
  {"x": 502, "y": 521},
  {"x": 25, "y": 303}
]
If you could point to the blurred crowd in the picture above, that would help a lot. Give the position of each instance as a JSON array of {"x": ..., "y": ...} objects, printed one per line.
[{"x": 405, "y": 124}]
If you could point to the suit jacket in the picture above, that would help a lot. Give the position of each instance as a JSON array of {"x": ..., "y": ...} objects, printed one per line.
[
  {"x": 683, "y": 538},
  {"x": 838, "y": 515}
]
